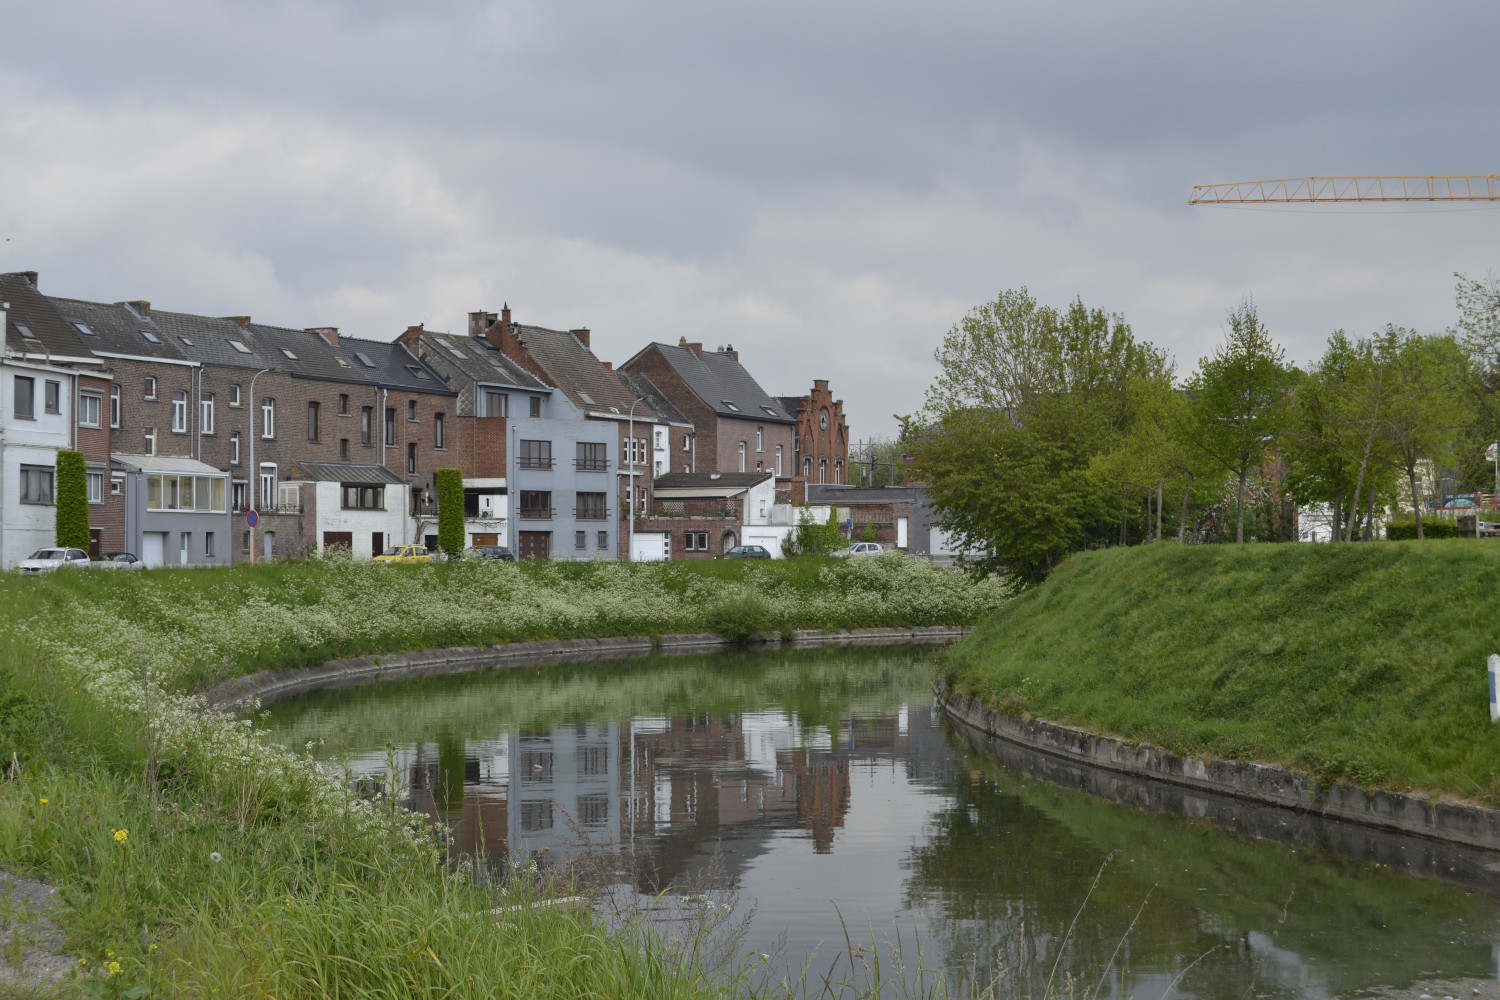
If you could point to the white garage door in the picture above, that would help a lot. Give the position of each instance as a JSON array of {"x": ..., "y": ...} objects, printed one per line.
[
  {"x": 651, "y": 546},
  {"x": 153, "y": 548}
]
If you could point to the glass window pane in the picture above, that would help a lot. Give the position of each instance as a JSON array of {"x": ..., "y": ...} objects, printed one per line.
[
  {"x": 218, "y": 495},
  {"x": 153, "y": 492}
]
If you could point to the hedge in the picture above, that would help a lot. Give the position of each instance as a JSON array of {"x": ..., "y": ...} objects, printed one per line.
[{"x": 72, "y": 501}]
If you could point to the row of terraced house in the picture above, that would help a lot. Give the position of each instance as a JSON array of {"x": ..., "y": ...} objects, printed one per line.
[{"x": 189, "y": 423}]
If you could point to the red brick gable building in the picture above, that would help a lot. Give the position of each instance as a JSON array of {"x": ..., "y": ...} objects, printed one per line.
[{"x": 820, "y": 450}]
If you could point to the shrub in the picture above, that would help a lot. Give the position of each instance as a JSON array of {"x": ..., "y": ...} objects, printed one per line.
[
  {"x": 810, "y": 539},
  {"x": 1404, "y": 530},
  {"x": 740, "y": 614},
  {"x": 869, "y": 533},
  {"x": 450, "y": 499},
  {"x": 72, "y": 501}
]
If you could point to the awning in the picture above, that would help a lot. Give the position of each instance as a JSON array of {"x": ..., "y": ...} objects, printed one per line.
[
  {"x": 166, "y": 463},
  {"x": 349, "y": 472}
]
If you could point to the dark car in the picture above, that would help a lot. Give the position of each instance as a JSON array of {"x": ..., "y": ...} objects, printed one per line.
[
  {"x": 748, "y": 552},
  {"x": 500, "y": 552}
]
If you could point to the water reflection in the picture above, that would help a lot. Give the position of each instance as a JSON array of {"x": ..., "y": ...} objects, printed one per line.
[{"x": 809, "y": 779}]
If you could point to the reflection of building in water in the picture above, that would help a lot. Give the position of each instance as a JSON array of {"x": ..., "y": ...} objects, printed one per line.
[{"x": 669, "y": 787}]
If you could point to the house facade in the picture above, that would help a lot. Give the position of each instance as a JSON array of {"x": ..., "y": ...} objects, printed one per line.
[
  {"x": 820, "y": 444},
  {"x": 176, "y": 509}
]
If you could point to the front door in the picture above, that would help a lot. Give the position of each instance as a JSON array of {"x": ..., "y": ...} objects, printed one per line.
[
  {"x": 96, "y": 543},
  {"x": 268, "y": 544},
  {"x": 377, "y": 543},
  {"x": 341, "y": 539},
  {"x": 536, "y": 544}
]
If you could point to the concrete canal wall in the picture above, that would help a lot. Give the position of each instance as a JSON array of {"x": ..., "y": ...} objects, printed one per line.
[
  {"x": 1455, "y": 822},
  {"x": 274, "y": 685}
]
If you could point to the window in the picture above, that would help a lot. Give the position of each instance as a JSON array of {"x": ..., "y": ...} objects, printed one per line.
[
  {"x": 95, "y": 481},
  {"x": 742, "y": 456},
  {"x": 36, "y": 484},
  {"x": 179, "y": 412},
  {"x": 730, "y": 406},
  {"x": 838, "y": 470},
  {"x": 116, "y": 487},
  {"x": 208, "y": 543},
  {"x": 366, "y": 418},
  {"x": 51, "y": 394},
  {"x": 167, "y": 492},
  {"x": 437, "y": 432},
  {"x": 239, "y": 346},
  {"x": 695, "y": 541},
  {"x": 289, "y": 354},
  {"x": 419, "y": 373},
  {"x": 239, "y": 490},
  {"x": 535, "y": 455},
  {"x": 151, "y": 338},
  {"x": 822, "y": 470},
  {"x": 593, "y": 456},
  {"x": 149, "y": 383},
  {"x": 604, "y": 539},
  {"x": 267, "y": 484},
  {"x": 659, "y": 438},
  {"x": 536, "y": 504},
  {"x": 580, "y": 539},
  {"x": 536, "y": 406},
  {"x": 778, "y": 459},
  {"x": 807, "y": 467},
  {"x": 82, "y": 328},
  {"x": 390, "y": 427},
  {"x": 496, "y": 404},
  {"x": 234, "y": 448},
  {"x": 206, "y": 413},
  {"x": 25, "y": 398},
  {"x": 364, "y": 359},
  {"x": 114, "y": 406},
  {"x": 411, "y": 410},
  {"x": 760, "y": 439},
  {"x": 411, "y": 458},
  {"x": 234, "y": 395},
  {"x": 343, "y": 404},
  {"x": 268, "y": 417},
  {"x": 150, "y": 439},
  {"x": 313, "y": 409},
  {"x": 89, "y": 406},
  {"x": 590, "y": 507},
  {"x": 358, "y": 497},
  {"x": 344, "y": 448}
]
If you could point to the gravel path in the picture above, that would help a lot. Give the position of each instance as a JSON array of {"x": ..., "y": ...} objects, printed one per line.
[{"x": 31, "y": 948}]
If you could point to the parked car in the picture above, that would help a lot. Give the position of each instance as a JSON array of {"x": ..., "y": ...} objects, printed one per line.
[
  {"x": 119, "y": 560},
  {"x": 47, "y": 560},
  {"x": 501, "y": 552},
  {"x": 748, "y": 552},
  {"x": 860, "y": 549},
  {"x": 404, "y": 554}
]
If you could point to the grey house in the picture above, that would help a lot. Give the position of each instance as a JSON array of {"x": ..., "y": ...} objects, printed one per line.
[{"x": 176, "y": 510}]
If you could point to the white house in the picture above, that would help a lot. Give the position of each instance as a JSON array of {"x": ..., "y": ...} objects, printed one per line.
[
  {"x": 359, "y": 507},
  {"x": 36, "y": 421}
]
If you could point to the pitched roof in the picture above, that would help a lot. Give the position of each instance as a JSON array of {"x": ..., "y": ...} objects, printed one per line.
[
  {"x": 117, "y": 328},
  {"x": 646, "y": 389},
  {"x": 305, "y": 353},
  {"x": 723, "y": 384},
  {"x": 791, "y": 404},
  {"x": 830, "y": 493},
  {"x": 575, "y": 370},
  {"x": 477, "y": 358},
  {"x": 349, "y": 472},
  {"x": 31, "y": 313},
  {"x": 705, "y": 485},
  {"x": 391, "y": 366},
  {"x": 164, "y": 463}
]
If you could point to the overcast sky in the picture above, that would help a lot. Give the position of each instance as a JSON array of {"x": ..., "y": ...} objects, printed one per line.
[{"x": 828, "y": 186}]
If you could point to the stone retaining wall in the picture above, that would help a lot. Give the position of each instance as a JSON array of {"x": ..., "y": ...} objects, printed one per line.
[
  {"x": 1456, "y": 822},
  {"x": 273, "y": 685}
]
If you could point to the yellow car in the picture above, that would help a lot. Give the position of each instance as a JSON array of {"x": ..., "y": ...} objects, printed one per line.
[{"x": 404, "y": 554}]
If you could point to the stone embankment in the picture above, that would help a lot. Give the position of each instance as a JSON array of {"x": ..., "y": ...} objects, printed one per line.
[
  {"x": 274, "y": 685},
  {"x": 1455, "y": 822}
]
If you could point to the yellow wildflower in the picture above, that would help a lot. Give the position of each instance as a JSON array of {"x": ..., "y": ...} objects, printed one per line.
[
  {"x": 120, "y": 835},
  {"x": 112, "y": 969},
  {"x": 43, "y": 801}
]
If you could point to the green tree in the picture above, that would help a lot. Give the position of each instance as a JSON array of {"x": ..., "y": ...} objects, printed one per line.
[
  {"x": 1239, "y": 398},
  {"x": 72, "y": 500},
  {"x": 449, "y": 484},
  {"x": 1429, "y": 407},
  {"x": 812, "y": 539}
]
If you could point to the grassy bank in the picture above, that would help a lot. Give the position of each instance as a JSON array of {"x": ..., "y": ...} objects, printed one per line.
[
  {"x": 195, "y": 859},
  {"x": 1363, "y": 663}
]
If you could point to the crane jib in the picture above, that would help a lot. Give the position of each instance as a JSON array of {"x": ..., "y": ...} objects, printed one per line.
[{"x": 1307, "y": 190}]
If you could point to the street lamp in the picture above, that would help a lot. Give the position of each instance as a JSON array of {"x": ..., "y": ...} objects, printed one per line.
[
  {"x": 630, "y": 546},
  {"x": 254, "y": 482}
]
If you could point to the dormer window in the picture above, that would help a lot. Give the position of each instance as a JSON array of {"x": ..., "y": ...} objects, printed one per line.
[{"x": 239, "y": 346}]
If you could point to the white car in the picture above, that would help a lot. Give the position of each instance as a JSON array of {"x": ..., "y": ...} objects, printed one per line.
[
  {"x": 861, "y": 549},
  {"x": 47, "y": 560},
  {"x": 118, "y": 560}
]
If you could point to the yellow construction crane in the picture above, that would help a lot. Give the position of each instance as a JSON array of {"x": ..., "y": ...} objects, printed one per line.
[{"x": 1428, "y": 187}]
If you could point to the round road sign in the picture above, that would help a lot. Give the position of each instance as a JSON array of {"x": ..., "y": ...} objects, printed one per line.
[{"x": 251, "y": 517}]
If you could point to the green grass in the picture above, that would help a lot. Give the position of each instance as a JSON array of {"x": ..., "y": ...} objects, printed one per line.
[{"x": 1362, "y": 663}]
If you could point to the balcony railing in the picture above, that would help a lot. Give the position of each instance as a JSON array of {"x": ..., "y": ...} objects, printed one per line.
[
  {"x": 590, "y": 514},
  {"x": 527, "y": 462},
  {"x": 591, "y": 464},
  {"x": 538, "y": 513},
  {"x": 269, "y": 508}
]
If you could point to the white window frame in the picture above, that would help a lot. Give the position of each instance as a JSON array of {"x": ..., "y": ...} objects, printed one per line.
[
  {"x": 179, "y": 412},
  {"x": 234, "y": 448},
  {"x": 234, "y": 395},
  {"x": 267, "y": 418},
  {"x": 778, "y": 459},
  {"x": 742, "y": 456},
  {"x": 95, "y": 486},
  {"x": 114, "y": 406},
  {"x": 760, "y": 440},
  {"x": 38, "y": 485},
  {"x": 267, "y": 475},
  {"x": 150, "y": 440},
  {"x": 149, "y": 387},
  {"x": 206, "y": 413},
  {"x": 86, "y": 402}
]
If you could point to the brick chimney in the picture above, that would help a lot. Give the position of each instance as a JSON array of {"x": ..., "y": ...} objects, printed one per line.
[
  {"x": 243, "y": 322},
  {"x": 729, "y": 350},
  {"x": 695, "y": 348},
  {"x": 582, "y": 333},
  {"x": 480, "y": 322},
  {"x": 141, "y": 306},
  {"x": 328, "y": 333},
  {"x": 609, "y": 366},
  {"x": 408, "y": 339}
]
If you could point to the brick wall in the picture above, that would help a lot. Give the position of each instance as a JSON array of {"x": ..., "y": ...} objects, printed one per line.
[
  {"x": 706, "y": 422},
  {"x": 732, "y": 431}
]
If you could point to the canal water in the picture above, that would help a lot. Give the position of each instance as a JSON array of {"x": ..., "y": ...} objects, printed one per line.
[{"x": 820, "y": 787}]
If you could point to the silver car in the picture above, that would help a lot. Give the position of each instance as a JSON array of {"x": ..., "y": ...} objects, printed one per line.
[
  {"x": 861, "y": 549},
  {"x": 47, "y": 560},
  {"x": 118, "y": 560}
]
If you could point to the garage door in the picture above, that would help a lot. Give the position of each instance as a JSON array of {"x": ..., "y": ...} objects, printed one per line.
[
  {"x": 153, "y": 548},
  {"x": 340, "y": 539},
  {"x": 536, "y": 544}
]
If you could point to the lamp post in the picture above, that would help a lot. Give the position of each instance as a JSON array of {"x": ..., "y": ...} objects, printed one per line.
[
  {"x": 254, "y": 482},
  {"x": 630, "y": 545}
]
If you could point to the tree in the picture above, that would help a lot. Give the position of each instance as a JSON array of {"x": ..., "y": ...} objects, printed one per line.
[
  {"x": 1026, "y": 397},
  {"x": 812, "y": 539},
  {"x": 449, "y": 484},
  {"x": 1429, "y": 406},
  {"x": 72, "y": 501},
  {"x": 1239, "y": 401}
]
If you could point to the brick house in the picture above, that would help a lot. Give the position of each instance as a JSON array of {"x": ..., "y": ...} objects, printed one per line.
[
  {"x": 740, "y": 428},
  {"x": 702, "y": 515},
  {"x": 820, "y": 447}
]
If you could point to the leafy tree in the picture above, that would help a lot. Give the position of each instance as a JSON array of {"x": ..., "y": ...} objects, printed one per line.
[
  {"x": 449, "y": 485},
  {"x": 812, "y": 539},
  {"x": 1429, "y": 407},
  {"x": 1239, "y": 398},
  {"x": 1026, "y": 397},
  {"x": 72, "y": 501}
]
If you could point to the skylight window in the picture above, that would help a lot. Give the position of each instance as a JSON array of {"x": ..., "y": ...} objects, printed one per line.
[
  {"x": 456, "y": 352},
  {"x": 185, "y": 340},
  {"x": 289, "y": 354},
  {"x": 770, "y": 411},
  {"x": 239, "y": 346},
  {"x": 730, "y": 406},
  {"x": 83, "y": 328},
  {"x": 418, "y": 373},
  {"x": 364, "y": 359},
  {"x": 587, "y": 398},
  {"x": 24, "y": 332},
  {"x": 340, "y": 359},
  {"x": 151, "y": 337}
]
